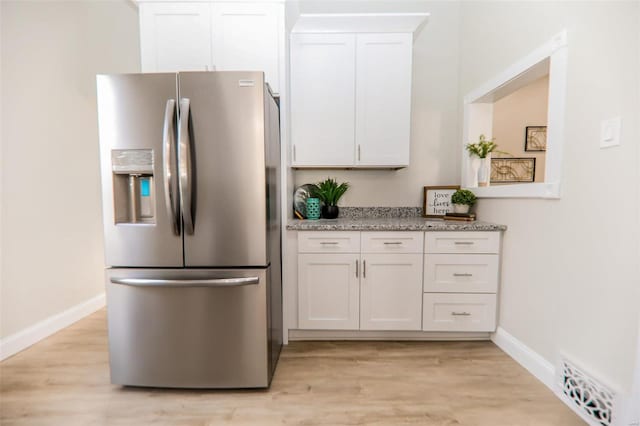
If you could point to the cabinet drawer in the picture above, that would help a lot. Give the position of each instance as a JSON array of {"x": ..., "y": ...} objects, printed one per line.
[
  {"x": 328, "y": 242},
  {"x": 458, "y": 312},
  {"x": 461, "y": 273},
  {"x": 462, "y": 242},
  {"x": 392, "y": 242}
]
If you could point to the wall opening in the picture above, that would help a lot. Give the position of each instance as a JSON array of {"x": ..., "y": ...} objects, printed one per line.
[{"x": 523, "y": 109}]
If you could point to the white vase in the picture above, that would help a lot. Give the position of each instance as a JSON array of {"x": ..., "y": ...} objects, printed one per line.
[
  {"x": 460, "y": 208},
  {"x": 484, "y": 172},
  {"x": 474, "y": 166}
]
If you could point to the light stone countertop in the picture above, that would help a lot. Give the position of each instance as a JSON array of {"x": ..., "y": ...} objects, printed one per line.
[{"x": 390, "y": 224}]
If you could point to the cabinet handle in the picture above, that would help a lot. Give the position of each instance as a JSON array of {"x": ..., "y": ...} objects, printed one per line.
[
  {"x": 462, "y": 275},
  {"x": 464, "y": 243},
  {"x": 389, "y": 243},
  {"x": 328, "y": 242},
  {"x": 358, "y": 152},
  {"x": 356, "y": 268},
  {"x": 460, "y": 314},
  {"x": 364, "y": 269},
  {"x": 294, "y": 153}
]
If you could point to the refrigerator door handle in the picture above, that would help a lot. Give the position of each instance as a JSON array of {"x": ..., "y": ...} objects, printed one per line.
[
  {"x": 216, "y": 282},
  {"x": 168, "y": 155},
  {"x": 184, "y": 159}
]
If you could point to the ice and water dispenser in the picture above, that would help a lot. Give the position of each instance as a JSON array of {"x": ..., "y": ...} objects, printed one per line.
[{"x": 133, "y": 186}]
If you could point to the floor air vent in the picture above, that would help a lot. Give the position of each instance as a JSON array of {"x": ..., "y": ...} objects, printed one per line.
[{"x": 590, "y": 396}]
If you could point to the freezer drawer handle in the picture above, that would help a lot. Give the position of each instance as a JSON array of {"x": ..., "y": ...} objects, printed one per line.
[{"x": 217, "y": 282}]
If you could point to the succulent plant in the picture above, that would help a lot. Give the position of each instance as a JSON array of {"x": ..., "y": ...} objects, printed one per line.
[{"x": 329, "y": 191}]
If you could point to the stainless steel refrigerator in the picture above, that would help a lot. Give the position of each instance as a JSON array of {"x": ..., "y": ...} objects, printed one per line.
[{"x": 190, "y": 168}]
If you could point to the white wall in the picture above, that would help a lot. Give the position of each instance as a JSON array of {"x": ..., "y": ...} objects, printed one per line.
[
  {"x": 435, "y": 118},
  {"x": 570, "y": 272},
  {"x": 51, "y": 221}
]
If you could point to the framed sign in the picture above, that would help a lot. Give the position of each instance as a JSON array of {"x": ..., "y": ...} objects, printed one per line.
[{"x": 437, "y": 200}]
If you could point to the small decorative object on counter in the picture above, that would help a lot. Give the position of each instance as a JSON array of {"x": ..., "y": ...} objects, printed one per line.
[
  {"x": 464, "y": 217},
  {"x": 329, "y": 192},
  {"x": 462, "y": 201},
  {"x": 480, "y": 160},
  {"x": 313, "y": 208},
  {"x": 300, "y": 200}
]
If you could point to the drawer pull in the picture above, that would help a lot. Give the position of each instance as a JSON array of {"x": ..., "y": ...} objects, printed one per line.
[
  {"x": 464, "y": 243},
  {"x": 391, "y": 243},
  {"x": 460, "y": 314},
  {"x": 462, "y": 275},
  {"x": 329, "y": 242}
]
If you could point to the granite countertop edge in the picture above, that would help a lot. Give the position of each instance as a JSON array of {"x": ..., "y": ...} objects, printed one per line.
[{"x": 390, "y": 224}]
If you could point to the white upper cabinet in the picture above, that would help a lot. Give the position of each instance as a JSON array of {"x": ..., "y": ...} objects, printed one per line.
[
  {"x": 246, "y": 36},
  {"x": 175, "y": 36},
  {"x": 350, "y": 99},
  {"x": 351, "y": 89},
  {"x": 323, "y": 99},
  {"x": 225, "y": 36},
  {"x": 383, "y": 99}
]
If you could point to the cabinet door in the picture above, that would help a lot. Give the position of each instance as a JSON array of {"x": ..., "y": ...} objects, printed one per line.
[
  {"x": 391, "y": 292},
  {"x": 323, "y": 99},
  {"x": 328, "y": 291},
  {"x": 246, "y": 37},
  {"x": 175, "y": 37},
  {"x": 383, "y": 99}
]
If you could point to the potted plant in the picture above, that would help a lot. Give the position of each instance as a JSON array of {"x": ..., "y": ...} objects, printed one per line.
[
  {"x": 481, "y": 160},
  {"x": 462, "y": 200},
  {"x": 329, "y": 192}
]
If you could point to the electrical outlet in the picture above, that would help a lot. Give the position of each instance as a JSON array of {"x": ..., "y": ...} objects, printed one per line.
[{"x": 610, "y": 132}]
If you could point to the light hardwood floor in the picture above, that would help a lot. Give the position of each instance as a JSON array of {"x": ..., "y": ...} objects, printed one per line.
[{"x": 64, "y": 380}]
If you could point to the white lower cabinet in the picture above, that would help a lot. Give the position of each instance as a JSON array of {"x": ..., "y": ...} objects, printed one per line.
[
  {"x": 460, "y": 281},
  {"x": 459, "y": 312},
  {"x": 328, "y": 291},
  {"x": 398, "y": 281},
  {"x": 461, "y": 273},
  {"x": 342, "y": 288},
  {"x": 390, "y": 290}
]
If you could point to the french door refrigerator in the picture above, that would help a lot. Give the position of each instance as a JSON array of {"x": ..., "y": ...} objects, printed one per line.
[{"x": 190, "y": 167}]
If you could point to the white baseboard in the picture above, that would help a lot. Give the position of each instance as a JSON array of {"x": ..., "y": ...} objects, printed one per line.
[
  {"x": 21, "y": 340},
  {"x": 542, "y": 369}
]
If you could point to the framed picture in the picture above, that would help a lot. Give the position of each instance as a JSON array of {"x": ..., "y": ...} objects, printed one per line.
[
  {"x": 512, "y": 170},
  {"x": 437, "y": 200},
  {"x": 535, "y": 139}
]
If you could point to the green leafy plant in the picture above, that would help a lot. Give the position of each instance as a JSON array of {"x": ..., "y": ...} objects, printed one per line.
[
  {"x": 329, "y": 191},
  {"x": 483, "y": 147},
  {"x": 463, "y": 196}
]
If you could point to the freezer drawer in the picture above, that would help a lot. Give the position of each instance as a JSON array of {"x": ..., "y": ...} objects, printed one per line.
[{"x": 189, "y": 328}]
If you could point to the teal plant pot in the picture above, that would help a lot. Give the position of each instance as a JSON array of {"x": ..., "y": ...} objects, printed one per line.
[{"x": 313, "y": 208}]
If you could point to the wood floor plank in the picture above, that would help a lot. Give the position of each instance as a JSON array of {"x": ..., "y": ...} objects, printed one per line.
[{"x": 64, "y": 380}]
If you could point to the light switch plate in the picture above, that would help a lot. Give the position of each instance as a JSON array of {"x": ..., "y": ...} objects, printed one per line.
[{"x": 610, "y": 132}]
